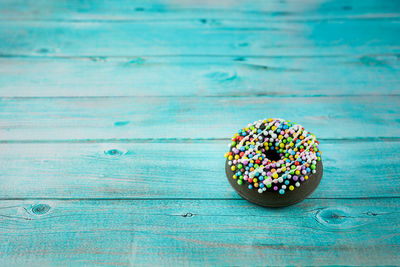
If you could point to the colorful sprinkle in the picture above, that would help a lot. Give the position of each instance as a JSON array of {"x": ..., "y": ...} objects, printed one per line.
[{"x": 273, "y": 151}]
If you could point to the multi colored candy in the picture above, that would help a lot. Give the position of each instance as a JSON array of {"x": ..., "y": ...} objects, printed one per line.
[{"x": 274, "y": 155}]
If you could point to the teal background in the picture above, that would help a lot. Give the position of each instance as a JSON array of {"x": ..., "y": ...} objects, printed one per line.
[{"x": 115, "y": 117}]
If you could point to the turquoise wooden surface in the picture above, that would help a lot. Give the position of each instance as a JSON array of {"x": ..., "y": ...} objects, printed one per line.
[
  {"x": 190, "y": 9},
  {"x": 115, "y": 115},
  {"x": 84, "y": 118},
  {"x": 125, "y": 169},
  {"x": 200, "y": 232},
  {"x": 204, "y": 75},
  {"x": 172, "y": 38}
]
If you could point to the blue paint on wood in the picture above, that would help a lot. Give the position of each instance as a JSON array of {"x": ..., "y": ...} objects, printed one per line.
[
  {"x": 40, "y": 209},
  {"x": 196, "y": 76},
  {"x": 194, "y": 117},
  {"x": 114, "y": 117},
  {"x": 182, "y": 170},
  {"x": 200, "y": 232},
  {"x": 183, "y": 38},
  {"x": 205, "y": 12}
]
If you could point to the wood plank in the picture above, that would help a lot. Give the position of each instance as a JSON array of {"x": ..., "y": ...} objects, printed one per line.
[
  {"x": 192, "y": 117},
  {"x": 208, "y": 232},
  {"x": 178, "y": 170},
  {"x": 190, "y": 9},
  {"x": 225, "y": 38},
  {"x": 199, "y": 76}
]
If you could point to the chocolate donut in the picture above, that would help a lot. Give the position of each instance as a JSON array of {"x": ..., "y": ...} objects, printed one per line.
[{"x": 274, "y": 163}]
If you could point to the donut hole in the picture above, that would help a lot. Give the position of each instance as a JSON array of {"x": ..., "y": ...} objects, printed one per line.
[{"x": 272, "y": 155}]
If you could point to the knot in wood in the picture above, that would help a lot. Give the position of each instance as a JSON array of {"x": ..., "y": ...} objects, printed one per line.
[
  {"x": 114, "y": 152},
  {"x": 222, "y": 76},
  {"x": 40, "y": 209},
  {"x": 334, "y": 218}
]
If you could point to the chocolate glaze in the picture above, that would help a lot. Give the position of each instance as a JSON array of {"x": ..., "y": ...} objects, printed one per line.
[{"x": 273, "y": 198}]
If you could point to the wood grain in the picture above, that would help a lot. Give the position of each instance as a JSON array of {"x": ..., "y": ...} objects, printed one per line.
[
  {"x": 192, "y": 9},
  {"x": 115, "y": 115},
  {"x": 199, "y": 76},
  {"x": 178, "y": 170},
  {"x": 169, "y": 232},
  {"x": 224, "y": 38},
  {"x": 193, "y": 117}
]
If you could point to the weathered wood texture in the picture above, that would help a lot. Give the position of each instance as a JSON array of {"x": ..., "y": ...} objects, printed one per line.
[
  {"x": 191, "y": 9},
  {"x": 199, "y": 232},
  {"x": 114, "y": 117},
  {"x": 200, "y": 76},
  {"x": 188, "y": 117},
  {"x": 225, "y": 38},
  {"x": 178, "y": 170}
]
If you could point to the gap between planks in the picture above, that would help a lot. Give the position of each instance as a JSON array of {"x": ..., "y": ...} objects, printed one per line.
[
  {"x": 238, "y": 57},
  {"x": 373, "y": 17},
  {"x": 187, "y": 140},
  {"x": 269, "y": 95},
  {"x": 178, "y": 199}
]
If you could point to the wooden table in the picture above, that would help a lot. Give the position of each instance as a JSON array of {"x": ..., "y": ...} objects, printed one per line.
[{"x": 115, "y": 116}]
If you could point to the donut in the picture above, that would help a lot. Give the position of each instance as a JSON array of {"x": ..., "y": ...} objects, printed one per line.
[{"x": 274, "y": 163}]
